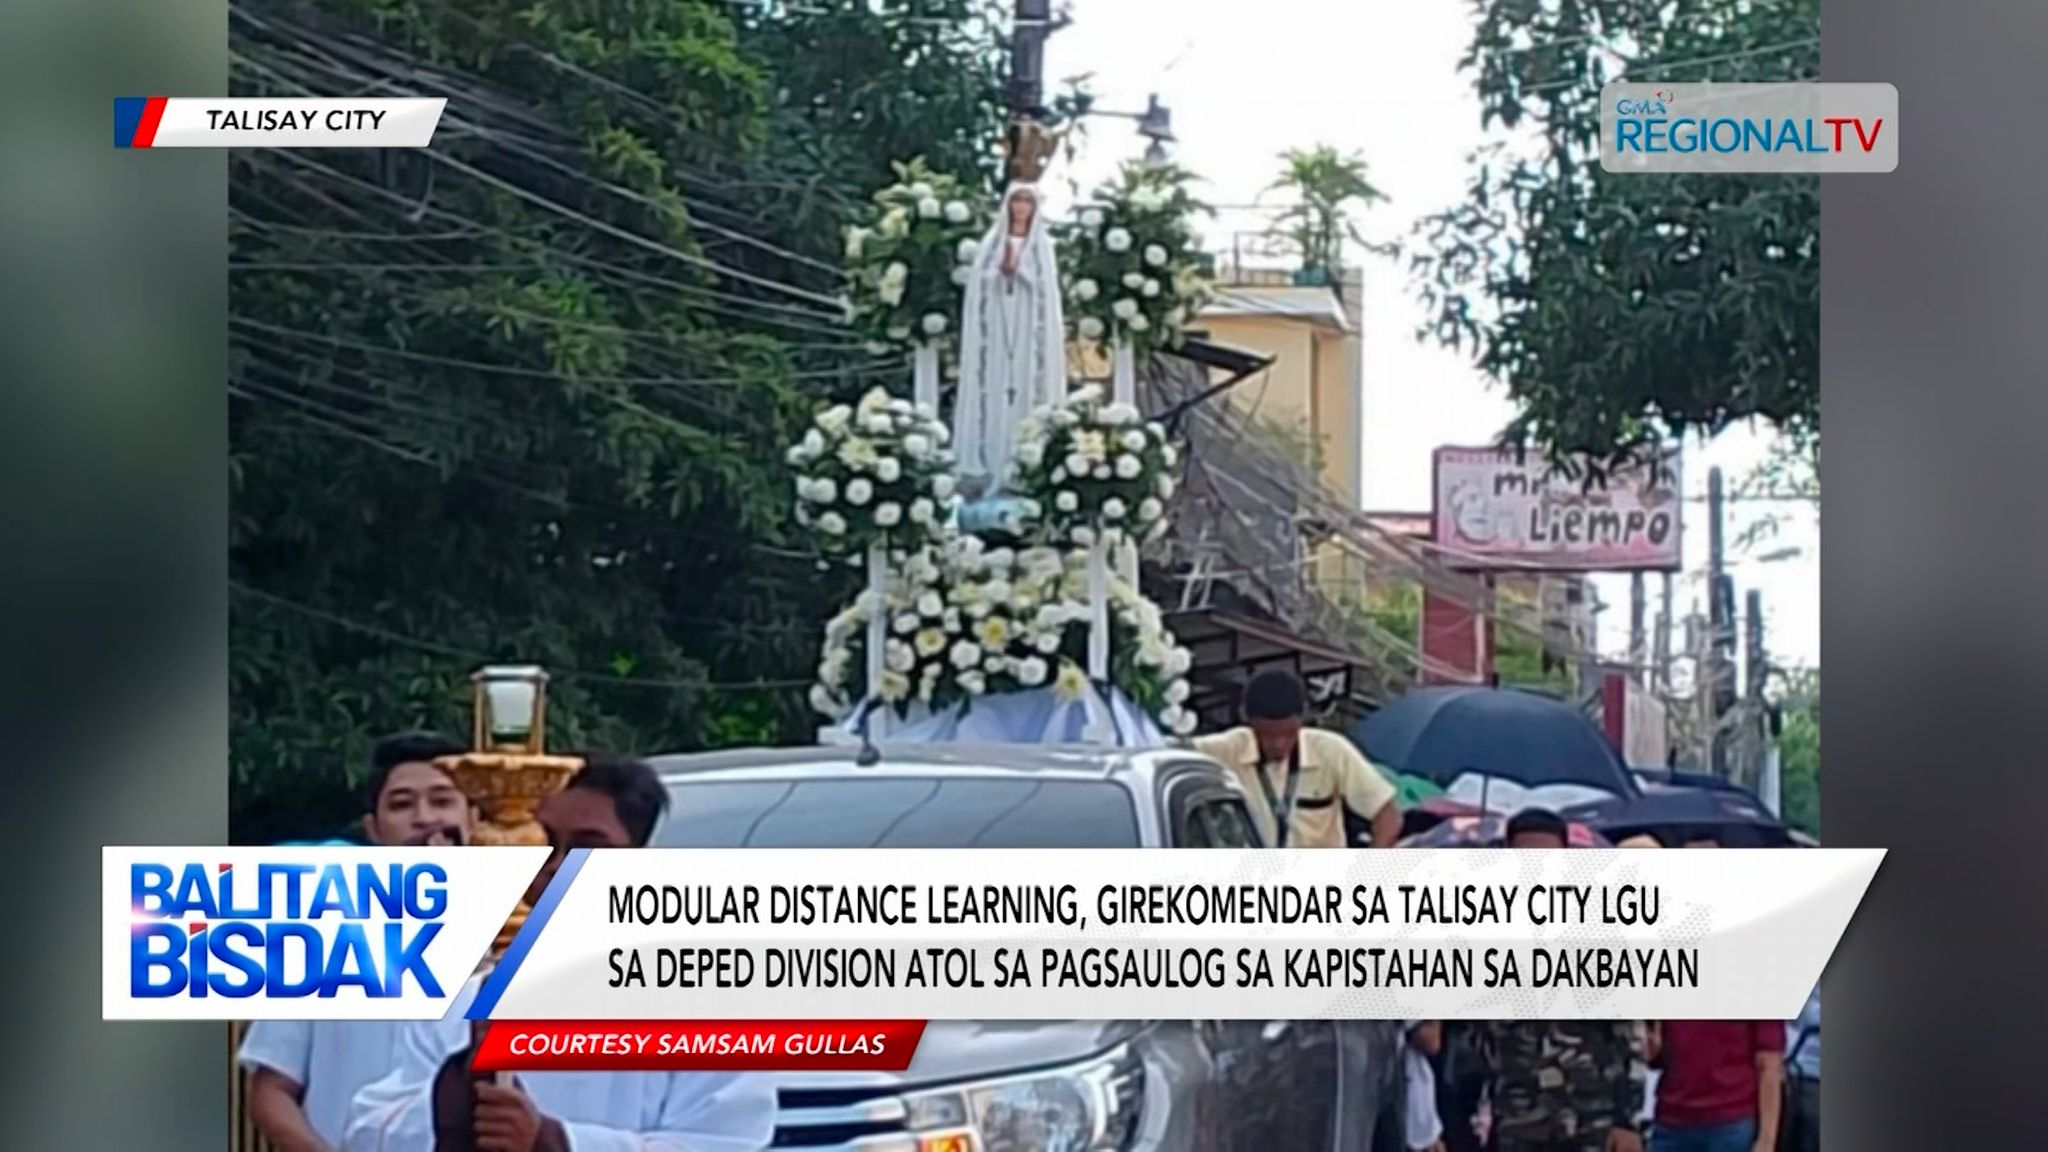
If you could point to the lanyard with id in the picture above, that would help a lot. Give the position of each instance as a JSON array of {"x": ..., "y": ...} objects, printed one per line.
[{"x": 1282, "y": 806}]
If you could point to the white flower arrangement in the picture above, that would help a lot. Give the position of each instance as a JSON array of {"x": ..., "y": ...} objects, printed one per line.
[
  {"x": 873, "y": 473},
  {"x": 904, "y": 263},
  {"x": 1133, "y": 267},
  {"x": 1095, "y": 470},
  {"x": 968, "y": 621}
]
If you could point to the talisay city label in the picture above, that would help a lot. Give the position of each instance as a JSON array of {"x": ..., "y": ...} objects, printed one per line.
[
  {"x": 1825, "y": 128},
  {"x": 196, "y": 122},
  {"x": 336, "y": 933}
]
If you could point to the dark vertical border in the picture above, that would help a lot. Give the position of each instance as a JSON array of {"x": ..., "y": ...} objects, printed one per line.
[
  {"x": 1934, "y": 349},
  {"x": 113, "y": 468}
]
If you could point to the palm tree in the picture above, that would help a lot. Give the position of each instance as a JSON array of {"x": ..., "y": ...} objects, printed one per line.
[{"x": 1325, "y": 184}]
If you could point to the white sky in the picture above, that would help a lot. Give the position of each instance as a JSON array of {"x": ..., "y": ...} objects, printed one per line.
[{"x": 1244, "y": 80}]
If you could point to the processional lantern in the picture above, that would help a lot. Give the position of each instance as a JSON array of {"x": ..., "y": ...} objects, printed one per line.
[{"x": 507, "y": 772}]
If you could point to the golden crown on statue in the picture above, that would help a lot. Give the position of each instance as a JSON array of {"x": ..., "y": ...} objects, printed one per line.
[{"x": 1029, "y": 147}]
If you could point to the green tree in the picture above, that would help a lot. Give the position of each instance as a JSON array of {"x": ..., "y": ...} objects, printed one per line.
[
  {"x": 1799, "y": 751},
  {"x": 1328, "y": 187},
  {"x": 1620, "y": 311},
  {"x": 523, "y": 397}
]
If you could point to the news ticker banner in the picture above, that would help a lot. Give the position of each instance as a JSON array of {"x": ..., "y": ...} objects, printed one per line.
[
  {"x": 1257, "y": 934},
  {"x": 1779, "y": 127},
  {"x": 338, "y": 933},
  {"x": 240, "y": 122}
]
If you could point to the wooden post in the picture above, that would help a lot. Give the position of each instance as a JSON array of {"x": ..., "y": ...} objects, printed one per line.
[
  {"x": 878, "y": 630},
  {"x": 925, "y": 379}
]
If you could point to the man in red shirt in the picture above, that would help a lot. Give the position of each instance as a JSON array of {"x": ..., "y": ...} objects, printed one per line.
[{"x": 1720, "y": 1082}]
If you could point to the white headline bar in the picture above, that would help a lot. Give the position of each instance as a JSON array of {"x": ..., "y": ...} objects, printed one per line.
[
  {"x": 1256, "y": 934},
  {"x": 298, "y": 123}
]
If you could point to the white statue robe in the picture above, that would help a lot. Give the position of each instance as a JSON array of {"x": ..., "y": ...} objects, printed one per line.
[
  {"x": 599, "y": 1111},
  {"x": 1013, "y": 348}
]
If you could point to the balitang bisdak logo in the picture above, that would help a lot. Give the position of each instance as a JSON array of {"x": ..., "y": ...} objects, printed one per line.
[{"x": 302, "y": 933}]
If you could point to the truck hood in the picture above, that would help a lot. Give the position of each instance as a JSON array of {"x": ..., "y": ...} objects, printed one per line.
[{"x": 958, "y": 1050}]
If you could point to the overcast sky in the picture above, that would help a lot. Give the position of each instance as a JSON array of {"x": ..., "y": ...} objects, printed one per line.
[{"x": 1244, "y": 80}]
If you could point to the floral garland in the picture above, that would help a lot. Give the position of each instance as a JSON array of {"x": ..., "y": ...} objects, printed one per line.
[
  {"x": 905, "y": 265},
  {"x": 874, "y": 474},
  {"x": 966, "y": 621},
  {"x": 1096, "y": 471},
  {"x": 1131, "y": 264}
]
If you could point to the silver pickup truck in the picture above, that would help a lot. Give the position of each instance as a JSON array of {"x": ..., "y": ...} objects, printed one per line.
[{"x": 1063, "y": 1086}]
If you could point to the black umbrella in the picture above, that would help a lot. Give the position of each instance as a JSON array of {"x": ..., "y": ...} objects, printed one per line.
[
  {"x": 1733, "y": 816},
  {"x": 1445, "y": 733}
]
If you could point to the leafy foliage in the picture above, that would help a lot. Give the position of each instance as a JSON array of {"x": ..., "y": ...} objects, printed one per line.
[
  {"x": 1799, "y": 751},
  {"x": 507, "y": 399},
  {"x": 1623, "y": 310},
  {"x": 1325, "y": 183}
]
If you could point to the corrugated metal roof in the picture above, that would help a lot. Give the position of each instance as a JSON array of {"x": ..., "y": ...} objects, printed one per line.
[{"x": 1316, "y": 305}]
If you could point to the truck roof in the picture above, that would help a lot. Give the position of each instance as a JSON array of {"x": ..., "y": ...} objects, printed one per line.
[{"x": 1076, "y": 761}]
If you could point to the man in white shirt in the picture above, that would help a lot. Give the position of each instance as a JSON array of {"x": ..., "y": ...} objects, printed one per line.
[
  {"x": 432, "y": 1102},
  {"x": 304, "y": 1074}
]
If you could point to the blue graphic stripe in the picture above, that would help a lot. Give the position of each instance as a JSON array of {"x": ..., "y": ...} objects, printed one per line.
[
  {"x": 501, "y": 976},
  {"x": 127, "y": 118}
]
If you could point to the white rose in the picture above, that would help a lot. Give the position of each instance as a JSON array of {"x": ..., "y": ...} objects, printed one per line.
[
  {"x": 1155, "y": 255},
  {"x": 1171, "y": 714},
  {"x": 956, "y": 212},
  {"x": 899, "y": 657},
  {"x": 1125, "y": 309},
  {"x": 1066, "y": 502},
  {"x": 1092, "y": 219},
  {"x": 1170, "y": 454},
  {"x": 824, "y": 491},
  {"x": 832, "y": 524},
  {"x": 995, "y": 665},
  {"x": 921, "y": 511},
  {"x": 933, "y": 323},
  {"x": 875, "y": 348},
  {"x": 1101, "y": 472},
  {"x": 888, "y": 515},
  {"x": 855, "y": 238},
  {"x": 1134, "y": 280},
  {"x": 931, "y": 604},
  {"x": 895, "y": 686},
  {"x": 1134, "y": 441},
  {"x": 905, "y": 623},
  {"x": 1113, "y": 509},
  {"x": 1165, "y": 487},
  {"x": 1150, "y": 509},
  {"x": 965, "y": 251},
  {"x": 1084, "y": 536},
  {"x": 965, "y": 654},
  {"x": 1150, "y": 288},
  {"x": 1185, "y": 725},
  {"x": 962, "y": 274},
  {"x": 1179, "y": 662},
  {"x": 1031, "y": 671},
  {"x": 930, "y": 209},
  {"x": 1139, "y": 323},
  {"x": 1177, "y": 692},
  {"x": 895, "y": 222},
  {"x": 859, "y": 491},
  {"x": 1090, "y": 328},
  {"x": 1128, "y": 467},
  {"x": 973, "y": 683},
  {"x": 920, "y": 190},
  {"x": 942, "y": 485},
  {"x": 823, "y": 702},
  {"x": 1048, "y": 643},
  {"x": 835, "y": 418},
  {"x": 1118, "y": 240},
  {"x": 899, "y": 331},
  {"x": 1086, "y": 289},
  {"x": 1031, "y": 453},
  {"x": 930, "y": 642}
]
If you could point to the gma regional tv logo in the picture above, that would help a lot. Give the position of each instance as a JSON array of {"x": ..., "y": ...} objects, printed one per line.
[
  {"x": 1789, "y": 127},
  {"x": 301, "y": 933}
]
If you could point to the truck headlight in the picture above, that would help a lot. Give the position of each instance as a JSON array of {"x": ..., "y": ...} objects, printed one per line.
[{"x": 1092, "y": 1106}]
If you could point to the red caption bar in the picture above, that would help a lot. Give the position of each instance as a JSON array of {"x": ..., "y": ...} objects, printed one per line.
[{"x": 698, "y": 1045}]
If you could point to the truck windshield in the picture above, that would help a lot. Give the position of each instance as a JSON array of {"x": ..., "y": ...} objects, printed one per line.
[{"x": 898, "y": 813}]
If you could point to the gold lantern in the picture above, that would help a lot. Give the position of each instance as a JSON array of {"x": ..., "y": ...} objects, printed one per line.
[{"x": 508, "y": 772}]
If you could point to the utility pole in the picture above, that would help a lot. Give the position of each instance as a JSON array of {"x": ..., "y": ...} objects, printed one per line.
[
  {"x": 1638, "y": 608},
  {"x": 1754, "y": 659},
  {"x": 1665, "y": 623},
  {"x": 1720, "y": 622}
]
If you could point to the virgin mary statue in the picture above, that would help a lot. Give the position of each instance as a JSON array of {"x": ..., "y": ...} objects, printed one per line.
[{"x": 1013, "y": 347}]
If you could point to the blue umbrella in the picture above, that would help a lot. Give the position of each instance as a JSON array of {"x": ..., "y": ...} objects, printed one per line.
[
  {"x": 1445, "y": 733},
  {"x": 1732, "y": 815}
]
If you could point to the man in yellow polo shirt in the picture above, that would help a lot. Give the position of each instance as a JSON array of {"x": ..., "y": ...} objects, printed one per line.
[{"x": 1301, "y": 779}]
